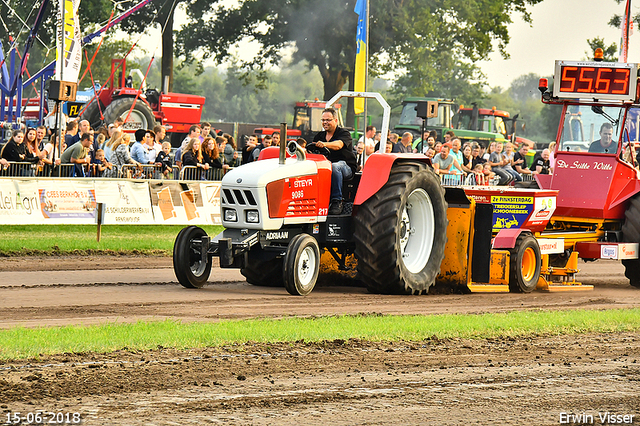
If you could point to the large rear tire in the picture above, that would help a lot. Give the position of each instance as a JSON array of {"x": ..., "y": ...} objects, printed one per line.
[
  {"x": 92, "y": 113},
  {"x": 190, "y": 269},
  {"x": 525, "y": 264},
  {"x": 401, "y": 232},
  {"x": 141, "y": 117},
  {"x": 301, "y": 265},
  {"x": 631, "y": 234}
]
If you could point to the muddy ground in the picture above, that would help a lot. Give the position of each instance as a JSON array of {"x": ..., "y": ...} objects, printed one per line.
[{"x": 529, "y": 381}]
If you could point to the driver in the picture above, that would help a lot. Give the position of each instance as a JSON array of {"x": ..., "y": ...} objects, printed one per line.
[
  {"x": 343, "y": 161},
  {"x": 605, "y": 144}
]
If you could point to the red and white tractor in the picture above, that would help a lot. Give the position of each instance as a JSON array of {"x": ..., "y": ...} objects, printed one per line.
[{"x": 275, "y": 212}]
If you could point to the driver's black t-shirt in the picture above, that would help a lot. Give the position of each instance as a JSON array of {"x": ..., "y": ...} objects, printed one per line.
[
  {"x": 343, "y": 154},
  {"x": 596, "y": 146}
]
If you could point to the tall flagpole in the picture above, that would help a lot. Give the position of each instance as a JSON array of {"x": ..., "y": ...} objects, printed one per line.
[
  {"x": 361, "y": 65},
  {"x": 60, "y": 67},
  {"x": 366, "y": 79},
  {"x": 626, "y": 29}
]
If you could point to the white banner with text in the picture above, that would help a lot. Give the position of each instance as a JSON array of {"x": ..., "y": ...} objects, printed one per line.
[{"x": 74, "y": 201}]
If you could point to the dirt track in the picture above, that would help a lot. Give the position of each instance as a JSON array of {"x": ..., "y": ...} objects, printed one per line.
[{"x": 454, "y": 382}]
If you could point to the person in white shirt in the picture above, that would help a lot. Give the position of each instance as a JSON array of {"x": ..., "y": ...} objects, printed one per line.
[{"x": 369, "y": 141}]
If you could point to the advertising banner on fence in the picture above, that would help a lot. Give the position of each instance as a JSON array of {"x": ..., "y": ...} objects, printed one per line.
[
  {"x": 74, "y": 201},
  {"x": 186, "y": 203},
  {"x": 19, "y": 203},
  {"x": 125, "y": 202},
  {"x": 67, "y": 201}
]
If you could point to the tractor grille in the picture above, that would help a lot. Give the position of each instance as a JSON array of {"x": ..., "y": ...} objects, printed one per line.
[
  {"x": 303, "y": 207},
  {"x": 242, "y": 197}
]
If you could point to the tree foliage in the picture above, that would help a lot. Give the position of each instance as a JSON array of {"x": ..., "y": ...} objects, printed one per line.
[
  {"x": 616, "y": 20},
  {"x": 235, "y": 96},
  {"x": 20, "y": 17},
  {"x": 429, "y": 44},
  {"x": 610, "y": 52},
  {"x": 522, "y": 97}
]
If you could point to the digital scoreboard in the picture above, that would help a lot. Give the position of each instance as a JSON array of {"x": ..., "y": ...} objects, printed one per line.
[{"x": 595, "y": 80}]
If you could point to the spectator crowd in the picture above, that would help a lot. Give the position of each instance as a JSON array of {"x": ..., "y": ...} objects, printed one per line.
[
  {"x": 470, "y": 163},
  {"x": 110, "y": 152}
]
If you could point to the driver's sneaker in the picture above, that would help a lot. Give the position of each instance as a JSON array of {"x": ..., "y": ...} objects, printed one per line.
[{"x": 335, "y": 207}]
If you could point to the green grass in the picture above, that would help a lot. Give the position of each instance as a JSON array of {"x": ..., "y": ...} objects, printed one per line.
[
  {"x": 61, "y": 239},
  {"x": 27, "y": 343}
]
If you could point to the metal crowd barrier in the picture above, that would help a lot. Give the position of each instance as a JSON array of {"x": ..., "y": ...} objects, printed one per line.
[
  {"x": 144, "y": 171},
  {"x": 214, "y": 174},
  {"x": 20, "y": 169},
  {"x": 128, "y": 171},
  {"x": 470, "y": 180},
  {"x": 191, "y": 173},
  {"x": 451, "y": 180},
  {"x": 198, "y": 173}
]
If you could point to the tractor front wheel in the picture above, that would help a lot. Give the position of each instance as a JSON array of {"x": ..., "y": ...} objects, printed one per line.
[
  {"x": 301, "y": 265},
  {"x": 526, "y": 261},
  {"x": 401, "y": 231},
  {"x": 190, "y": 268},
  {"x": 631, "y": 234}
]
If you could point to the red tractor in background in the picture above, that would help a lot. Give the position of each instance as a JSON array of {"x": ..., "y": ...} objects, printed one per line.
[
  {"x": 306, "y": 121},
  {"x": 176, "y": 111}
]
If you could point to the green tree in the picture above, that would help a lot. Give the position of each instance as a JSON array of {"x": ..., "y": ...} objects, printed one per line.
[
  {"x": 160, "y": 15},
  {"x": 616, "y": 20},
  {"x": 523, "y": 98},
  {"x": 17, "y": 18},
  {"x": 610, "y": 52},
  {"x": 411, "y": 38},
  {"x": 101, "y": 66}
]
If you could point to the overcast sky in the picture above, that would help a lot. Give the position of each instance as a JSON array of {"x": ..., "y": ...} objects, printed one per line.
[{"x": 559, "y": 30}]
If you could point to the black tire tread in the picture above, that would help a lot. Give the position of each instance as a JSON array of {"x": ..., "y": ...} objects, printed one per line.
[
  {"x": 119, "y": 106},
  {"x": 631, "y": 233},
  {"x": 375, "y": 234},
  {"x": 264, "y": 273},
  {"x": 289, "y": 264},
  {"x": 92, "y": 113},
  {"x": 514, "y": 267},
  {"x": 181, "y": 248}
]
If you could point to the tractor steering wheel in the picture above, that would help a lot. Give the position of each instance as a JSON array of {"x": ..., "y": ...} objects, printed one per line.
[{"x": 315, "y": 149}]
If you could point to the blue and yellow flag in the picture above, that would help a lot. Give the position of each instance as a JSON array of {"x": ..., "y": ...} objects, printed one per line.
[{"x": 361, "y": 54}]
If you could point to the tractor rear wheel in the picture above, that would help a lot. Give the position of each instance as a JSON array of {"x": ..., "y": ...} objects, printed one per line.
[
  {"x": 190, "y": 269},
  {"x": 401, "y": 231},
  {"x": 301, "y": 265},
  {"x": 265, "y": 273},
  {"x": 92, "y": 113},
  {"x": 631, "y": 234},
  {"x": 141, "y": 116},
  {"x": 525, "y": 264}
]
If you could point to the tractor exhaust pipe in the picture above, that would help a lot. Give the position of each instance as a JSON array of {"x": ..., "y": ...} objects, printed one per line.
[{"x": 283, "y": 142}]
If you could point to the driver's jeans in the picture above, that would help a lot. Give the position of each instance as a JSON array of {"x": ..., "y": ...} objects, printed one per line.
[{"x": 339, "y": 172}]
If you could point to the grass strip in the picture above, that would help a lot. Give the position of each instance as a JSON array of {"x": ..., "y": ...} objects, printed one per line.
[
  {"x": 20, "y": 240},
  {"x": 21, "y": 342}
]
